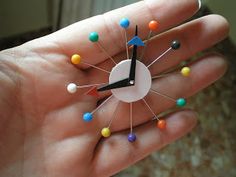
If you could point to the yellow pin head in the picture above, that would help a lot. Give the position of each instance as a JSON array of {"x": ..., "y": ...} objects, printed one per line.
[
  {"x": 75, "y": 59},
  {"x": 106, "y": 132},
  {"x": 185, "y": 71}
]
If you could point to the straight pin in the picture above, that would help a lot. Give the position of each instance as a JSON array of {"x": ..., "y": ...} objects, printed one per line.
[
  {"x": 101, "y": 104},
  {"x": 104, "y": 50},
  {"x": 93, "y": 66},
  {"x": 114, "y": 115},
  {"x": 180, "y": 102},
  {"x": 175, "y": 45},
  {"x": 76, "y": 59},
  {"x": 106, "y": 132},
  {"x": 94, "y": 37},
  {"x": 163, "y": 75},
  {"x": 72, "y": 88},
  {"x": 153, "y": 26},
  {"x": 124, "y": 23},
  {"x": 146, "y": 44},
  {"x": 131, "y": 117},
  {"x": 150, "y": 109},
  {"x": 163, "y": 95},
  {"x": 131, "y": 136},
  {"x": 185, "y": 71},
  {"x": 163, "y": 54},
  {"x": 126, "y": 44},
  {"x": 90, "y": 85},
  {"x": 88, "y": 116}
]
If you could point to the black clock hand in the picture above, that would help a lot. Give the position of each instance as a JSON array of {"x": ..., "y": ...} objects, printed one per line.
[
  {"x": 115, "y": 85},
  {"x": 133, "y": 62}
]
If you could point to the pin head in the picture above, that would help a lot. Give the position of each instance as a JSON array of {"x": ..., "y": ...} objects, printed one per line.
[
  {"x": 153, "y": 25},
  {"x": 93, "y": 36},
  {"x": 71, "y": 88},
  {"x": 87, "y": 117},
  {"x": 106, "y": 132},
  {"x": 175, "y": 45},
  {"x": 161, "y": 124},
  {"x": 181, "y": 102},
  {"x": 185, "y": 71},
  {"x": 124, "y": 23},
  {"x": 75, "y": 59},
  {"x": 131, "y": 137}
]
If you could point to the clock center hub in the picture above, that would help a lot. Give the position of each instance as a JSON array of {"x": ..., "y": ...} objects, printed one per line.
[{"x": 143, "y": 81}]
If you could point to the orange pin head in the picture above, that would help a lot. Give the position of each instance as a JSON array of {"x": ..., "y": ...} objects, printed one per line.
[
  {"x": 161, "y": 124},
  {"x": 153, "y": 25}
]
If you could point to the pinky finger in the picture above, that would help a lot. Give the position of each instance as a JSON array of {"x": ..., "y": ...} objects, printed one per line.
[{"x": 116, "y": 153}]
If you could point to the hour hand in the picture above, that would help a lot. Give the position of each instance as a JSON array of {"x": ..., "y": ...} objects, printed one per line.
[
  {"x": 135, "y": 41},
  {"x": 115, "y": 85}
]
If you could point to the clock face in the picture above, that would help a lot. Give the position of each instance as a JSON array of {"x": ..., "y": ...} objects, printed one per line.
[{"x": 143, "y": 81}]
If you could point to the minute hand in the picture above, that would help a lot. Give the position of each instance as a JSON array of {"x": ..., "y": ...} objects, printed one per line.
[
  {"x": 133, "y": 65},
  {"x": 133, "y": 61}
]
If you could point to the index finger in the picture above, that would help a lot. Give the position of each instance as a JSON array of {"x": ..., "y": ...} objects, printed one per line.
[{"x": 74, "y": 38}]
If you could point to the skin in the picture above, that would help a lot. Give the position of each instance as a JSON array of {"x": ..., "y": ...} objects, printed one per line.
[{"x": 41, "y": 128}]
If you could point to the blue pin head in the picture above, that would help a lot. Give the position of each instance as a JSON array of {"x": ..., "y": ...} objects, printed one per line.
[{"x": 124, "y": 23}]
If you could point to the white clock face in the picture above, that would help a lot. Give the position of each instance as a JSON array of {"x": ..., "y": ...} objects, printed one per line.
[{"x": 143, "y": 81}]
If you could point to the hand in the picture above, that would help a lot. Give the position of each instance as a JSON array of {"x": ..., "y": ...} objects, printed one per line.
[
  {"x": 133, "y": 62},
  {"x": 42, "y": 132},
  {"x": 115, "y": 85}
]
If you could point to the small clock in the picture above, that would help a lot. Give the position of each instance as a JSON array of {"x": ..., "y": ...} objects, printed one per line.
[{"x": 129, "y": 80}]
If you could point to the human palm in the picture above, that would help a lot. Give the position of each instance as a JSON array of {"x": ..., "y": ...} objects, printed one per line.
[{"x": 41, "y": 129}]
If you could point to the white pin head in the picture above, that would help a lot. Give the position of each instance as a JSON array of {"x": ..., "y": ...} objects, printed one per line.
[{"x": 72, "y": 88}]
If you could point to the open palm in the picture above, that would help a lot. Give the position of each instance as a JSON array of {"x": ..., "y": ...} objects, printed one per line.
[{"x": 42, "y": 132}]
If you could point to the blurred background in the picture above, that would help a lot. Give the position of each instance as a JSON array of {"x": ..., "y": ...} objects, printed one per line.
[
  {"x": 43, "y": 16},
  {"x": 210, "y": 150}
]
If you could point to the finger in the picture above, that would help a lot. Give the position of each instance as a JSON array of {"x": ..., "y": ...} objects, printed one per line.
[
  {"x": 195, "y": 36},
  {"x": 203, "y": 73},
  {"x": 74, "y": 38},
  {"x": 149, "y": 139}
]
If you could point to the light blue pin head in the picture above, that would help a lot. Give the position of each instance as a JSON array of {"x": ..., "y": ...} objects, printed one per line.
[{"x": 124, "y": 23}]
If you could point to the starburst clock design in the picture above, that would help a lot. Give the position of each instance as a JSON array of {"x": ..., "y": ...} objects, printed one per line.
[{"x": 129, "y": 80}]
